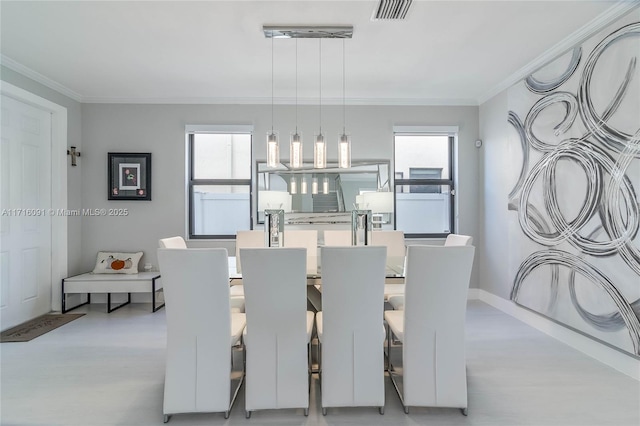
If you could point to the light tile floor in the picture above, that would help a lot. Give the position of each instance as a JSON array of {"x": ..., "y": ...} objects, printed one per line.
[{"x": 107, "y": 369}]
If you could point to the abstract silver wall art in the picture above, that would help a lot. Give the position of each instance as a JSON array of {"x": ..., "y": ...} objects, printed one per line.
[{"x": 574, "y": 244}]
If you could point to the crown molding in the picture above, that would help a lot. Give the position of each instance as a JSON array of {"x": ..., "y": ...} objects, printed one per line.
[
  {"x": 615, "y": 12},
  {"x": 36, "y": 76},
  {"x": 283, "y": 101}
]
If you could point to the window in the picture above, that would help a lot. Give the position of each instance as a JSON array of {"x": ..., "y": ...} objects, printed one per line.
[
  {"x": 424, "y": 174},
  {"x": 424, "y": 200},
  {"x": 219, "y": 179}
]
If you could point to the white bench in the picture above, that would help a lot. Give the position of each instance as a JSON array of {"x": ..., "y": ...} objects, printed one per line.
[{"x": 142, "y": 282}]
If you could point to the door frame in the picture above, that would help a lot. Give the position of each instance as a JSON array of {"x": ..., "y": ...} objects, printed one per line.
[{"x": 59, "y": 253}]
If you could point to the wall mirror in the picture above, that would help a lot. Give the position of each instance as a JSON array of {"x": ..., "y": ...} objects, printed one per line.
[{"x": 307, "y": 193}]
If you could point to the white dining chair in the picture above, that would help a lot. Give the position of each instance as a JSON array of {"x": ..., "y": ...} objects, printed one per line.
[
  {"x": 307, "y": 239},
  {"x": 431, "y": 327},
  {"x": 394, "y": 242},
  {"x": 247, "y": 239},
  {"x": 396, "y": 300},
  {"x": 172, "y": 242},
  {"x": 279, "y": 327},
  {"x": 337, "y": 237},
  {"x": 458, "y": 240},
  {"x": 350, "y": 327},
  {"x": 201, "y": 331},
  {"x": 237, "y": 301}
]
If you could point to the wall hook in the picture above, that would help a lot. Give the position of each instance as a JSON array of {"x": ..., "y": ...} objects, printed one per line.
[{"x": 73, "y": 153}]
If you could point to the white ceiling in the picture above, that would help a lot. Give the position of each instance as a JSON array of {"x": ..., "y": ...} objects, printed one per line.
[{"x": 215, "y": 51}]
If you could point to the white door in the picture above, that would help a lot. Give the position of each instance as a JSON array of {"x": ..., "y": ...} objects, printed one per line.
[{"x": 25, "y": 224}]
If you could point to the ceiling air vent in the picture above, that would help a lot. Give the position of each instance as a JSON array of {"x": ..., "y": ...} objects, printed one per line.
[{"x": 391, "y": 9}]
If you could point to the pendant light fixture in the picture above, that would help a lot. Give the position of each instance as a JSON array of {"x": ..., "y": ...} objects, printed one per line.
[
  {"x": 344, "y": 144},
  {"x": 320, "y": 147},
  {"x": 295, "y": 144},
  {"x": 273, "y": 146}
]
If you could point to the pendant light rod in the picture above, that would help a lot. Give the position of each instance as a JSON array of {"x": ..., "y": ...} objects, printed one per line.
[
  {"x": 296, "y": 85},
  {"x": 273, "y": 146},
  {"x": 320, "y": 79},
  {"x": 320, "y": 145},
  {"x": 344, "y": 144},
  {"x": 344, "y": 102},
  {"x": 272, "y": 84},
  {"x": 295, "y": 142}
]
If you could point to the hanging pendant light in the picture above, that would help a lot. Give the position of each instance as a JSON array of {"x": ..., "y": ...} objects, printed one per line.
[
  {"x": 344, "y": 144},
  {"x": 295, "y": 143},
  {"x": 273, "y": 146},
  {"x": 320, "y": 147}
]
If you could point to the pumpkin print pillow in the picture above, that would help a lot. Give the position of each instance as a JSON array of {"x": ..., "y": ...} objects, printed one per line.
[{"x": 117, "y": 263}]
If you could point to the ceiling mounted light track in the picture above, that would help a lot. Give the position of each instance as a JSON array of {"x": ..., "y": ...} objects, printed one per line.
[{"x": 283, "y": 31}]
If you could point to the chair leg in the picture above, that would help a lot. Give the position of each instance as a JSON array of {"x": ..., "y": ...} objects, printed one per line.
[
  {"x": 319, "y": 365},
  {"x": 395, "y": 384},
  {"x": 310, "y": 371},
  {"x": 388, "y": 348},
  {"x": 242, "y": 377}
]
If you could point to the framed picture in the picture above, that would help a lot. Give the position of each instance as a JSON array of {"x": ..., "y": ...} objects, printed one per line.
[{"x": 129, "y": 176}]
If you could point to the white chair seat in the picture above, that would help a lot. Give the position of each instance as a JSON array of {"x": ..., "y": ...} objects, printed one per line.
[
  {"x": 238, "y": 322},
  {"x": 310, "y": 318},
  {"x": 236, "y": 290},
  {"x": 319, "y": 327},
  {"x": 395, "y": 321},
  {"x": 393, "y": 289},
  {"x": 237, "y": 304},
  {"x": 397, "y": 301}
]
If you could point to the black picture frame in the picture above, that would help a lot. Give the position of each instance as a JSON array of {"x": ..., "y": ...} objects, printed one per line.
[{"x": 129, "y": 176}]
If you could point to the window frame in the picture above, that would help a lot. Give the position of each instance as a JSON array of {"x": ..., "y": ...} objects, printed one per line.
[
  {"x": 451, "y": 134},
  {"x": 191, "y": 182}
]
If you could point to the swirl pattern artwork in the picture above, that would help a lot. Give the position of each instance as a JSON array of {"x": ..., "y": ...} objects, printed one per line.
[{"x": 574, "y": 244}]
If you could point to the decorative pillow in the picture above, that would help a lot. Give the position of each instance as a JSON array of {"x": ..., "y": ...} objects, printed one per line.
[{"x": 117, "y": 263}]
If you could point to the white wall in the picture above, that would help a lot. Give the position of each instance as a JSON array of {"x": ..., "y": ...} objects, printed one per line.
[
  {"x": 493, "y": 247},
  {"x": 159, "y": 129}
]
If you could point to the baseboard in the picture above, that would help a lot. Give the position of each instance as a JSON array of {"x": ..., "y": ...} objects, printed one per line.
[
  {"x": 606, "y": 355},
  {"x": 474, "y": 294}
]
